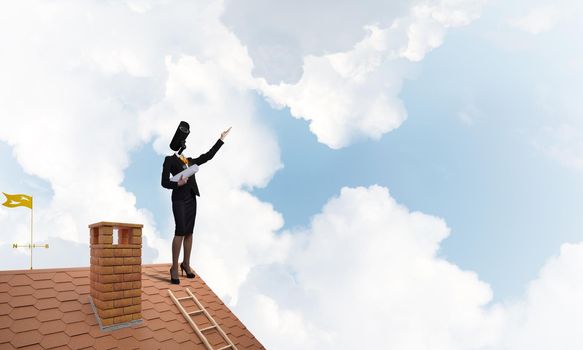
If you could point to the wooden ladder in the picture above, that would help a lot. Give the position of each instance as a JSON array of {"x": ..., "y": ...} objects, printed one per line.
[{"x": 197, "y": 330}]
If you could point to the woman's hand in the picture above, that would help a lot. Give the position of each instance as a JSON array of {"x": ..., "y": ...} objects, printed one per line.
[
  {"x": 225, "y": 133},
  {"x": 183, "y": 180}
]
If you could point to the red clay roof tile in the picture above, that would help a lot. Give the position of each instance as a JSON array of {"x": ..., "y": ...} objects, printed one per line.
[
  {"x": 76, "y": 328},
  {"x": 61, "y": 277},
  {"x": 5, "y": 321},
  {"x": 51, "y": 308},
  {"x": 41, "y": 276},
  {"x": 6, "y": 335},
  {"x": 128, "y": 343},
  {"x": 105, "y": 343},
  {"x": 20, "y": 290},
  {"x": 96, "y": 332},
  {"x": 162, "y": 335},
  {"x": 156, "y": 324},
  {"x": 54, "y": 340},
  {"x": 44, "y": 304},
  {"x": 50, "y": 327},
  {"x": 142, "y": 333},
  {"x": 90, "y": 320},
  {"x": 42, "y": 284},
  {"x": 45, "y": 293},
  {"x": 146, "y": 304},
  {"x": 170, "y": 344},
  {"x": 24, "y": 325},
  {"x": 82, "y": 290},
  {"x": 32, "y": 347},
  {"x": 81, "y": 341},
  {"x": 65, "y": 296},
  {"x": 151, "y": 290},
  {"x": 77, "y": 274},
  {"x": 86, "y": 309},
  {"x": 23, "y": 300},
  {"x": 27, "y": 338},
  {"x": 63, "y": 287},
  {"x": 71, "y": 317},
  {"x": 182, "y": 337},
  {"x": 71, "y": 305},
  {"x": 156, "y": 299},
  {"x": 149, "y": 314},
  {"x": 49, "y": 315},
  {"x": 122, "y": 333},
  {"x": 167, "y": 316},
  {"x": 81, "y": 281},
  {"x": 174, "y": 326},
  {"x": 20, "y": 280},
  {"x": 23, "y": 312},
  {"x": 152, "y": 344},
  {"x": 5, "y": 309},
  {"x": 201, "y": 320},
  {"x": 215, "y": 338}
]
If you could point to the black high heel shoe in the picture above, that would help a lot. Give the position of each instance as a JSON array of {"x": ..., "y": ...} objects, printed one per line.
[
  {"x": 188, "y": 274},
  {"x": 174, "y": 280}
]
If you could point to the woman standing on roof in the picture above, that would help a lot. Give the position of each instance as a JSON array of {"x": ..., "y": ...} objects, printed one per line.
[{"x": 184, "y": 192}]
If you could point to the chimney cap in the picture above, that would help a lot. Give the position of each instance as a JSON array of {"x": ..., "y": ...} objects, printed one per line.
[{"x": 115, "y": 224}]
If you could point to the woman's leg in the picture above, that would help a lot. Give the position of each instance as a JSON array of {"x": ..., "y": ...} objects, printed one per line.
[
  {"x": 187, "y": 250},
  {"x": 179, "y": 210},
  {"x": 188, "y": 238},
  {"x": 176, "y": 243}
]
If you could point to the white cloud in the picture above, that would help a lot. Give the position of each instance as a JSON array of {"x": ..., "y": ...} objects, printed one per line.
[
  {"x": 538, "y": 20},
  {"x": 83, "y": 85},
  {"x": 344, "y": 96},
  {"x": 81, "y": 99},
  {"x": 351, "y": 95},
  {"x": 428, "y": 21},
  {"x": 69, "y": 116},
  {"x": 279, "y": 35},
  {"x": 367, "y": 272},
  {"x": 551, "y": 313},
  {"x": 557, "y": 79},
  {"x": 234, "y": 230}
]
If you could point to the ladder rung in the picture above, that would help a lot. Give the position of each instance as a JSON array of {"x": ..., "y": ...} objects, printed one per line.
[
  {"x": 194, "y": 326},
  {"x": 207, "y": 328}
]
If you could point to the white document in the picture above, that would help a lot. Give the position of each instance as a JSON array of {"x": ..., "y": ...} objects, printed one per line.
[{"x": 188, "y": 172}]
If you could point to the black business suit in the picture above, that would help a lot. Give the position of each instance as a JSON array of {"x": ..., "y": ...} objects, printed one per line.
[{"x": 184, "y": 197}]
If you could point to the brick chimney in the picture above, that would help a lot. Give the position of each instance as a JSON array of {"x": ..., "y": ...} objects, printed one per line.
[{"x": 116, "y": 272}]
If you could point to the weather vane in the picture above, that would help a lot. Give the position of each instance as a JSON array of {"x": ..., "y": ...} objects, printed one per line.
[{"x": 22, "y": 200}]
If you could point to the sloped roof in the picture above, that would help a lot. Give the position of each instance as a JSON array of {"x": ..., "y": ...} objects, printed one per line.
[{"x": 45, "y": 309}]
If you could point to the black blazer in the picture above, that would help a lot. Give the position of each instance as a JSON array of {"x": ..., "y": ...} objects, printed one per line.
[{"x": 173, "y": 165}]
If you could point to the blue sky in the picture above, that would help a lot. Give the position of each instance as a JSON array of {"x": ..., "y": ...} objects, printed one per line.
[
  {"x": 493, "y": 187},
  {"x": 346, "y": 160}
]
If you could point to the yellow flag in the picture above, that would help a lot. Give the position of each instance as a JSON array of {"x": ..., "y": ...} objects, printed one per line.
[{"x": 17, "y": 200}]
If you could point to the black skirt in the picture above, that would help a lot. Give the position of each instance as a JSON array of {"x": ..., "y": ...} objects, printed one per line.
[{"x": 184, "y": 214}]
